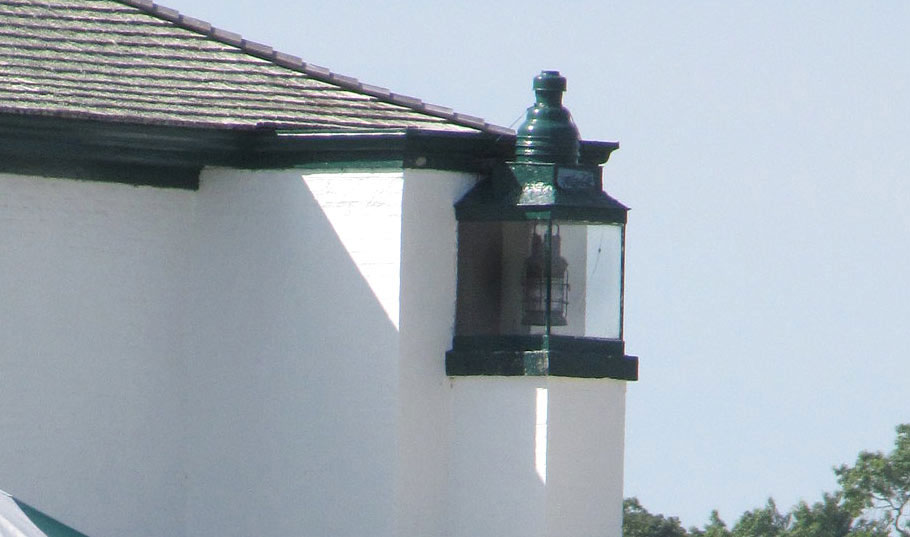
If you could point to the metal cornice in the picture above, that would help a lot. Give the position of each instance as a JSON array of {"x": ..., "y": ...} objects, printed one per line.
[{"x": 54, "y": 146}]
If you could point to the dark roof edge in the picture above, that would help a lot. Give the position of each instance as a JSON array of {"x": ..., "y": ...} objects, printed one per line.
[
  {"x": 172, "y": 156},
  {"x": 323, "y": 74}
]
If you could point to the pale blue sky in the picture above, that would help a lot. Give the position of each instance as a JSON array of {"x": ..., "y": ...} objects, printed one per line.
[{"x": 764, "y": 152}]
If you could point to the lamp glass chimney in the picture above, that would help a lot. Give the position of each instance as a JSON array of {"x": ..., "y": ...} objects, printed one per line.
[{"x": 546, "y": 279}]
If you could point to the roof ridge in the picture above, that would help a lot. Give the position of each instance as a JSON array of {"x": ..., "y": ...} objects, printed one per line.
[{"x": 317, "y": 72}]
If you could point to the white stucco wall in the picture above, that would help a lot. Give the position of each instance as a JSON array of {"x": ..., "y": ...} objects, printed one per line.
[
  {"x": 293, "y": 371},
  {"x": 92, "y": 381},
  {"x": 428, "y": 250},
  {"x": 220, "y": 362},
  {"x": 585, "y": 440},
  {"x": 495, "y": 487},
  {"x": 537, "y": 456}
]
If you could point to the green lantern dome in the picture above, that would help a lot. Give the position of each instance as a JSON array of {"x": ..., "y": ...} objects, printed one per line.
[{"x": 548, "y": 134}]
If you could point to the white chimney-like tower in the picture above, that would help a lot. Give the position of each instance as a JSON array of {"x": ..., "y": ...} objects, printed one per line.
[{"x": 537, "y": 362}]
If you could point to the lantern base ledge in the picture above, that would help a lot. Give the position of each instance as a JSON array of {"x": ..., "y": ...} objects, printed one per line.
[{"x": 512, "y": 363}]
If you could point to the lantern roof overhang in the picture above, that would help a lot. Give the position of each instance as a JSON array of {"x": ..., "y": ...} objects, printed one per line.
[
  {"x": 541, "y": 191},
  {"x": 552, "y": 175}
]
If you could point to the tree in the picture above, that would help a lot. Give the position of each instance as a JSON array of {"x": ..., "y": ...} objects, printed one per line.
[
  {"x": 714, "y": 528},
  {"x": 831, "y": 518},
  {"x": 827, "y": 518},
  {"x": 879, "y": 485},
  {"x": 764, "y": 522},
  {"x": 638, "y": 522}
]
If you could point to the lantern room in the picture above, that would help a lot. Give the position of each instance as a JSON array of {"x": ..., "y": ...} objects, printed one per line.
[{"x": 541, "y": 257}]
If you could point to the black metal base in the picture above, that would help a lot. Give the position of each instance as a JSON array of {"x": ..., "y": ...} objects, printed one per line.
[{"x": 540, "y": 356}]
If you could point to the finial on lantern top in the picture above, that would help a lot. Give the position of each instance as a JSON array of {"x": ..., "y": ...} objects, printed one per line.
[{"x": 548, "y": 134}]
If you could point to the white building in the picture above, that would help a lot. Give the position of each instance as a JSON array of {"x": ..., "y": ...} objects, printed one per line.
[{"x": 227, "y": 290}]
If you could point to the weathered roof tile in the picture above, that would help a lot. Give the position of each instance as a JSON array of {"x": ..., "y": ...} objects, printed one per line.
[
  {"x": 257, "y": 49},
  {"x": 376, "y": 91},
  {"x": 227, "y": 37},
  {"x": 288, "y": 60},
  {"x": 316, "y": 70},
  {"x": 406, "y": 100},
  {"x": 195, "y": 24},
  {"x": 166, "y": 13},
  {"x": 136, "y": 61}
]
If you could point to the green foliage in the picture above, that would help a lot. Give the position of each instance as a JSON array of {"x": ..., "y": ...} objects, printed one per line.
[
  {"x": 714, "y": 528},
  {"x": 764, "y": 522},
  {"x": 874, "y": 501},
  {"x": 827, "y": 518},
  {"x": 638, "y": 522},
  {"x": 878, "y": 485}
]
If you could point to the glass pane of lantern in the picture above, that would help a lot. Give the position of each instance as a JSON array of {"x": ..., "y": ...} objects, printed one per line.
[
  {"x": 504, "y": 269},
  {"x": 479, "y": 278},
  {"x": 594, "y": 294},
  {"x": 494, "y": 259},
  {"x": 524, "y": 274}
]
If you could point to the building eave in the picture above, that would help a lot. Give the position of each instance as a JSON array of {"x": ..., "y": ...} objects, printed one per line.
[{"x": 172, "y": 156}]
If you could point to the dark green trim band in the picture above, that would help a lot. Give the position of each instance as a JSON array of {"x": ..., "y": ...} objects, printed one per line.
[
  {"x": 538, "y": 355},
  {"x": 134, "y": 174},
  {"x": 172, "y": 156},
  {"x": 101, "y": 151},
  {"x": 410, "y": 148},
  {"x": 541, "y": 363}
]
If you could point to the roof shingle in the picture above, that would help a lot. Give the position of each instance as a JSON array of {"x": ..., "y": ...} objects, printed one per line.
[{"x": 137, "y": 62}]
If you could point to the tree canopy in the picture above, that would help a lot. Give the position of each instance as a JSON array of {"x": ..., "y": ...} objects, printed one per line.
[
  {"x": 873, "y": 501},
  {"x": 638, "y": 522},
  {"x": 879, "y": 485}
]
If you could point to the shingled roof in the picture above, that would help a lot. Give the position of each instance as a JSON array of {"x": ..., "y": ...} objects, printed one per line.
[{"x": 133, "y": 61}]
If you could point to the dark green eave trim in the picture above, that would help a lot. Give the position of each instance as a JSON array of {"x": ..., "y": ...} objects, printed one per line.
[
  {"x": 50, "y": 526},
  {"x": 411, "y": 148},
  {"x": 172, "y": 156},
  {"x": 50, "y": 165},
  {"x": 103, "y": 151}
]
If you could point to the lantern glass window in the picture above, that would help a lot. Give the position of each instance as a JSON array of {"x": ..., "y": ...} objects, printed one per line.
[{"x": 536, "y": 277}]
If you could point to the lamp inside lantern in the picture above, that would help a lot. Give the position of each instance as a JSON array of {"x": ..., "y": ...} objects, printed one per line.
[{"x": 546, "y": 279}]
